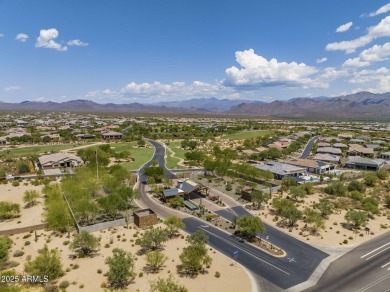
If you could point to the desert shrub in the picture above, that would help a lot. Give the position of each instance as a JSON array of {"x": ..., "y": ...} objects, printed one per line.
[
  {"x": 18, "y": 253},
  {"x": 64, "y": 284}
]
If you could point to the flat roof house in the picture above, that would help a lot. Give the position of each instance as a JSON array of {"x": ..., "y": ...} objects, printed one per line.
[
  {"x": 385, "y": 155},
  {"x": 112, "y": 135},
  {"x": 282, "y": 170},
  {"x": 311, "y": 165},
  {"x": 59, "y": 160},
  {"x": 330, "y": 150},
  {"x": 364, "y": 163},
  {"x": 85, "y": 136},
  {"x": 340, "y": 145},
  {"x": 3, "y": 141},
  {"x": 327, "y": 157}
]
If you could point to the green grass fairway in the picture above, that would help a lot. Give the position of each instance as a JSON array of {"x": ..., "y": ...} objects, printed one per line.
[
  {"x": 172, "y": 162},
  {"x": 141, "y": 155},
  {"x": 248, "y": 135},
  {"x": 35, "y": 150}
]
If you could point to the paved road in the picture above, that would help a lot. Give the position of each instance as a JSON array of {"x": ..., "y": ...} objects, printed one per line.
[
  {"x": 305, "y": 257},
  {"x": 285, "y": 272},
  {"x": 365, "y": 268},
  {"x": 307, "y": 150}
]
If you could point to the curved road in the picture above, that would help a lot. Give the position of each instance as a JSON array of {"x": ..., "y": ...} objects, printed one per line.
[
  {"x": 309, "y": 146},
  {"x": 286, "y": 272}
]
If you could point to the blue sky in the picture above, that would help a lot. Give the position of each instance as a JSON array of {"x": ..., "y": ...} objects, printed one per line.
[{"x": 146, "y": 51}]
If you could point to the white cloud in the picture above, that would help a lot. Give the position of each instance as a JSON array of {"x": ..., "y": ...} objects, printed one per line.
[
  {"x": 344, "y": 27},
  {"x": 376, "y": 53},
  {"x": 12, "y": 88},
  {"x": 383, "y": 9},
  {"x": 46, "y": 40},
  {"x": 1, "y": 35},
  {"x": 77, "y": 43},
  {"x": 382, "y": 29},
  {"x": 331, "y": 73},
  {"x": 256, "y": 71},
  {"x": 176, "y": 89},
  {"x": 42, "y": 98},
  {"x": 379, "y": 79},
  {"x": 322, "y": 60},
  {"x": 22, "y": 37}
]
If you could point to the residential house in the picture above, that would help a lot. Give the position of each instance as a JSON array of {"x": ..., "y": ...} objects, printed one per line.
[
  {"x": 357, "y": 141},
  {"x": 112, "y": 135},
  {"x": 340, "y": 145},
  {"x": 364, "y": 163},
  {"x": 385, "y": 155},
  {"x": 329, "y": 150},
  {"x": 282, "y": 170},
  {"x": 327, "y": 157},
  {"x": 57, "y": 160},
  {"x": 3, "y": 140},
  {"x": 279, "y": 144},
  {"x": 358, "y": 150},
  {"x": 345, "y": 136},
  {"x": 323, "y": 144},
  {"x": 85, "y": 136},
  {"x": 311, "y": 165}
]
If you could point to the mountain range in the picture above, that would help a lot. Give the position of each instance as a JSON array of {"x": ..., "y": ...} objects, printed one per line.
[
  {"x": 358, "y": 105},
  {"x": 207, "y": 104}
]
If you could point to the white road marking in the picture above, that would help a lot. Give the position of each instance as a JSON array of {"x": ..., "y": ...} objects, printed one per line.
[
  {"x": 372, "y": 284},
  {"x": 248, "y": 252},
  {"x": 377, "y": 253},
  {"x": 385, "y": 265},
  {"x": 374, "y": 250}
]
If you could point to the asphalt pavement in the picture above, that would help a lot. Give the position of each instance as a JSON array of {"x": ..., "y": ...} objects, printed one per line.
[
  {"x": 301, "y": 257},
  {"x": 284, "y": 272},
  {"x": 306, "y": 152},
  {"x": 364, "y": 269}
]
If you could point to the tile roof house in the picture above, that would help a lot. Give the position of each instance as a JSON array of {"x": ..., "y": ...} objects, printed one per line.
[
  {"x": 364, "y": 163},
  {"x": 59, "y": 160},
  {"x": 281, "y": 170},
  {"x": 311, "y": 165}
]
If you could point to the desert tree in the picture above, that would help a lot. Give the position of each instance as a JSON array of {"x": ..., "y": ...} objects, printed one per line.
[
  {"x": 121, "y": 269},
  {"x": 173, "y": 224},
  {"x": 85, "y": 243}
]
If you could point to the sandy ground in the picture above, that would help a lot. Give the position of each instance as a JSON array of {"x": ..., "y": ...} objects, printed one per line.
[
  {"x": 29, "y": 216},
  {"x": 334, "y": 233},
  {"x": 233, "y": 278}
]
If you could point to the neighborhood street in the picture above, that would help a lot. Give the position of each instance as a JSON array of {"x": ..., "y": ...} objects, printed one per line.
[
  {"x": 285, "y": 272},
  {"x": 306, "y": 152},
  {"x": 365, "y": 268}
]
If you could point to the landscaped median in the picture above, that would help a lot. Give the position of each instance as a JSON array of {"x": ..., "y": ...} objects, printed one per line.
[{"x": 248, "y": 228}]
